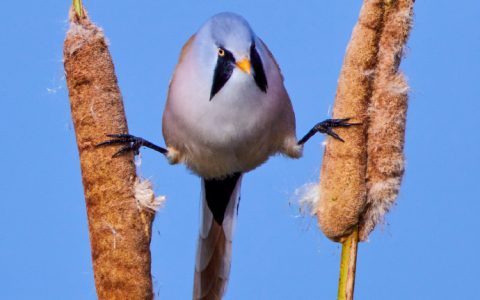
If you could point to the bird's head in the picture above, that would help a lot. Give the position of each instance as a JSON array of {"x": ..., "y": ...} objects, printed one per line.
[{"x": 226, "y": 44}]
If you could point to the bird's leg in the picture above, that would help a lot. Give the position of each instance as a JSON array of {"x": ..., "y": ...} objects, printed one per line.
[
  {"x": 327, "y": 128},
  {"x": 130, "y": 143}
]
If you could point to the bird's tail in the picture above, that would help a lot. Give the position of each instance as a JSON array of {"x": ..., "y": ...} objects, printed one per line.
[{"x": 214, "y": 250}]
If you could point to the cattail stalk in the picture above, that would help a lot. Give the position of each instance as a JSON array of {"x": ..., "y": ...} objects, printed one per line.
[
  {"x": 119, "y": 225},
  {"x": 348, "y": 262},
  {"x": 360, "y": 178}
]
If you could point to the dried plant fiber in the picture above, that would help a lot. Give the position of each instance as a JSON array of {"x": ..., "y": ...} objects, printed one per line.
[
  {"x": 360, "y": 178},
  {"x": 343, "y": 178},
  {"x": 119, "y": 227},
  {"x": 387, "y": 117}
]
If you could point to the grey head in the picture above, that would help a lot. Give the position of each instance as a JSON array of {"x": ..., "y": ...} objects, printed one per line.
[{"x": 226, "y": 42}]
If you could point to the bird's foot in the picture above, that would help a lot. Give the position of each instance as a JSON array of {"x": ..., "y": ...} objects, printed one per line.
[
  {"x": 130, "y": 143},
  {"x": 327, "y": 127}
]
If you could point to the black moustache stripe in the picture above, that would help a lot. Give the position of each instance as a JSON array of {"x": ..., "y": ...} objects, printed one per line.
[
  {"x": 258, "y": 72},
  {"x": 223, "y": 72}
]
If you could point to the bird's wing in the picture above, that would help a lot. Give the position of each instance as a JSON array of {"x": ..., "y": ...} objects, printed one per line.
[
  {"x": 186, "y": 48},
  {"x": 272, "y": 57}
]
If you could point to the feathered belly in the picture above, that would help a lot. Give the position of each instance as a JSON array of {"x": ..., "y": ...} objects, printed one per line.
[
  {"x": 227, "y": 150},
  {"x": 218, "y": 144}
]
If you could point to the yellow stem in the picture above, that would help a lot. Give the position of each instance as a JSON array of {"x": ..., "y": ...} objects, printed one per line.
[
  {"x": 348, "y": 263},
  {"x": 77, "y": 5}
]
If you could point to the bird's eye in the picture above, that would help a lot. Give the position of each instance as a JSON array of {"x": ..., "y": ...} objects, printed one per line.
[{"x": 221, "y": 52}]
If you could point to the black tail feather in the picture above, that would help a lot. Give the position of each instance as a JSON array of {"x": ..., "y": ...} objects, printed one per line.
[{"x": 218, "y": 193}]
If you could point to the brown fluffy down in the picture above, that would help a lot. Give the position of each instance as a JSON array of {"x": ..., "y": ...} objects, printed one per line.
[
  {"x": 387, "y": 117},
  {"x": 360, "y": 178},
  {"x": 120, "y": 230},
  {"x": 342, "y": 194}
]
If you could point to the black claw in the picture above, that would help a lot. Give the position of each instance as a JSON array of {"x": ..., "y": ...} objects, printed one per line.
[
  {"x": 125, "y": 149},
  {"x": 111, "y": 142},
  {"x": 331, "y": 133},
  {"x": 333, "y": 123},
  {"x": 130, "y": 143},
  {"x": 122, "y": 136},
  {"x": 326, "y": 128}
]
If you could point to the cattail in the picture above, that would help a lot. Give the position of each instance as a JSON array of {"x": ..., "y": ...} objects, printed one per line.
[
  {"x": 360, "y": 178},
  {"x": 387, "y": 116},
  {"x": 119, "y": 224},
  {"x": 343, "y": 178}
]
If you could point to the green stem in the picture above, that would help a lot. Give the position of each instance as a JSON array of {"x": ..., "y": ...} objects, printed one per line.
[
  {"x": 77, "y": 5},
  {"x": 348, "y": 263}
]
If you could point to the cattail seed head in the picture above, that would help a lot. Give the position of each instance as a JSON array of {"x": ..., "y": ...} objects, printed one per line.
[{"x": 360, "y": 178}]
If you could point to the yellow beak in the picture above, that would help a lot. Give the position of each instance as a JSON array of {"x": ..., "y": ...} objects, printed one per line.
[{"x": 244, "y": 65}]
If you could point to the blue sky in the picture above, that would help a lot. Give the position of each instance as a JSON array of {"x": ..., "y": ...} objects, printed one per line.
[{"x": 428, "y": 248}]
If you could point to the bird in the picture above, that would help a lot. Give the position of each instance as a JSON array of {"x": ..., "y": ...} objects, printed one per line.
[{"x": 227, "y": 111}]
